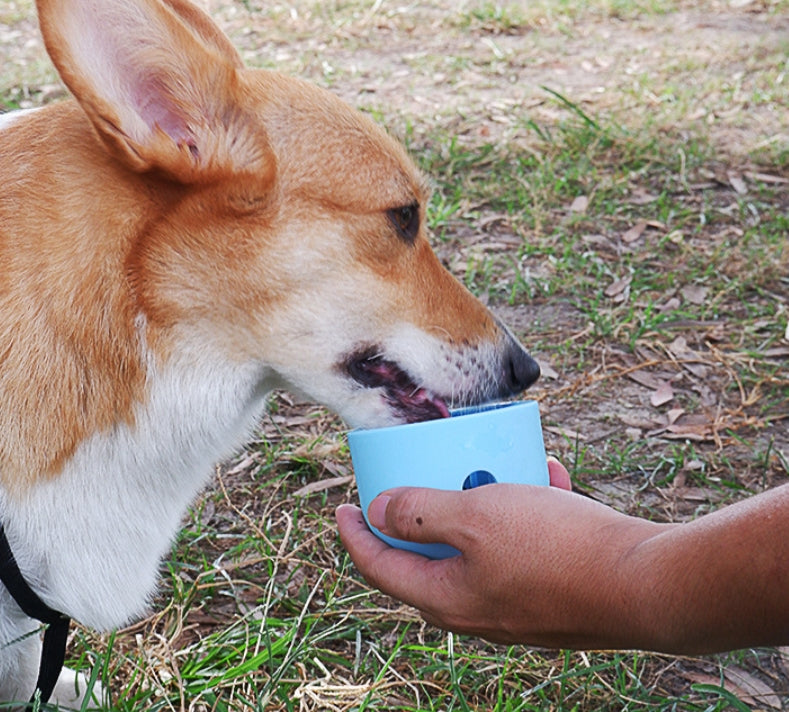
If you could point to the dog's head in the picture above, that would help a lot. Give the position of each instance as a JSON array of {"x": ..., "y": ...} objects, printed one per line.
[{"x": 287, "y": 229}]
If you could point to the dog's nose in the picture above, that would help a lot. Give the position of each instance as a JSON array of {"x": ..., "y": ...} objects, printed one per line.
[{"x": 520, "y": 369}]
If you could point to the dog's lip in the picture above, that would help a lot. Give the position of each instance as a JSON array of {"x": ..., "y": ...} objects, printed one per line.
[{"x": 410, "y": 401}]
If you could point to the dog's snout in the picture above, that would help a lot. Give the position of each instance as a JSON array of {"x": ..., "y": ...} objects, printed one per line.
[{"x": 520, "y": 369}]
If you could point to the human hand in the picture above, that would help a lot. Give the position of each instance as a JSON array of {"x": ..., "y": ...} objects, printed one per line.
[{"x": 537, "y": 563}]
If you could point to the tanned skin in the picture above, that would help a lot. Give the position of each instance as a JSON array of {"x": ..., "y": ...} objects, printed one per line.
[{"x": 547, "y": 567}]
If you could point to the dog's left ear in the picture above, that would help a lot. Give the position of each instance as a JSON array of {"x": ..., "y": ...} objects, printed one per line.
[{"x": 158, "y": 79}]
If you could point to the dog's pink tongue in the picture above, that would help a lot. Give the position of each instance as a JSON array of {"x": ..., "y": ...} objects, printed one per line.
[
  {"x": 413, "y": 402},
  {"x": 423, "y": 405}
]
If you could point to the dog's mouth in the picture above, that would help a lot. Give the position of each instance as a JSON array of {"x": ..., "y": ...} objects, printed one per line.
[{"x": 407, "y": 399}]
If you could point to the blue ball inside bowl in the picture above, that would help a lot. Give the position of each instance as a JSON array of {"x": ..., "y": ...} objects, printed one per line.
[{"x": 474, "y": 447}]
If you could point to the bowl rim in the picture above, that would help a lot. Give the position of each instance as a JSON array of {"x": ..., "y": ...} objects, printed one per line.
[{"x": 465, "y": 413}]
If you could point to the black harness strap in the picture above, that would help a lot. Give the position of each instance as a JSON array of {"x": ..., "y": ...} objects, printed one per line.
[{"x": 53, "y": 651}]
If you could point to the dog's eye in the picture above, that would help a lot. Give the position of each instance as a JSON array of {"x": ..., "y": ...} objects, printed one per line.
[{"x": 405, "y": 220}]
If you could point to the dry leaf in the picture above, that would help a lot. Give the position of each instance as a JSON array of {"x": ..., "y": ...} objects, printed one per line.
[
  {"x": 593, "y": 239},
  {"x": 580, "y": 204},
  {"x": 717, "y": 332},
  {"x": 765, "y": 178},
  {"x": 671, "y": 304},
  {"x": 679, "y": 347},
  {"x": 618, "y": 287},
  {"x": 695, "y": 294},
  {"x": 565, "y": 432},
  {"x": 335, "y": 468},
  {"x": 207, "y": 512},
  {"x": 736, "y": 182},
  {"x": 641, "y": 197},
  {"x": 645, "y": 379},
  {"x": 635, "y": 232},
  {"x": 699, "y": 433},
  {"x": 292, "y": 421},
  {"x": 636, "y": 421},
  {"x": 701, "y": 678},
  {"x": 707, "y": 396},
  {"x": 322, "y": 485},
  {"x": 663, "y": 394},
  {"x": 700, "y": 494},
  {"x": 783, "y": 659},
  {"x": 687, "y": 356},
  {"x": 674, "y": 414},
  {"x": 777, "y": 352},
  {"x": 546, "y": 371},
  {"x": 244, "y": 464},
  {"x": 751, "y": 689}
]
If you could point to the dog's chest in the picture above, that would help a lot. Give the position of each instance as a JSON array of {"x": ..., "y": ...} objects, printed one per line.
[{"x": 91, "y": 538}]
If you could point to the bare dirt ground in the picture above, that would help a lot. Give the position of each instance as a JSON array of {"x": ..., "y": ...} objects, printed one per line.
[
  {"x": 415, "y": 61},
  {"x": 428, "y": 63}
]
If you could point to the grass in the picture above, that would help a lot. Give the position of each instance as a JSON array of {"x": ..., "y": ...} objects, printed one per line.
[{"x": 629, "y": 237}]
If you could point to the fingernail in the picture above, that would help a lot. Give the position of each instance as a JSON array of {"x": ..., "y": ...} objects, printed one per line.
[{"x": 376, "y": 512}]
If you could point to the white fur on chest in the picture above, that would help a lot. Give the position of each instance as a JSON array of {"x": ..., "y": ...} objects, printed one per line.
[{"x": 90, "y": 540}]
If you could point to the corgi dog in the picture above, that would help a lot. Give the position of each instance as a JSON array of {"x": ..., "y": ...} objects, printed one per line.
[{"x": 178, "y": 239}]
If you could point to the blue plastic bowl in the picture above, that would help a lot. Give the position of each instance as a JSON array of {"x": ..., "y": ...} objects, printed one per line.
[{"x": 472, "y": 448}]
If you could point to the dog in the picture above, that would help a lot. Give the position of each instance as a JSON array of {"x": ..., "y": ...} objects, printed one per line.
[{"x": 179, "y": 238}]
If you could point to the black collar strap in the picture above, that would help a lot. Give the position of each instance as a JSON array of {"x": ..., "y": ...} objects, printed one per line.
[{"x": 53, "y": 651}]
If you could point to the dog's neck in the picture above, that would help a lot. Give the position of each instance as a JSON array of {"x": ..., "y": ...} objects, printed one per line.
[{"x": 130, "y": 487}]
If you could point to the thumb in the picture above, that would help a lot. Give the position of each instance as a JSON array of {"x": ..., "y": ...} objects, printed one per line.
[
  {"x": 419, "y": 514},
  {"x": 559, "y": 475}
]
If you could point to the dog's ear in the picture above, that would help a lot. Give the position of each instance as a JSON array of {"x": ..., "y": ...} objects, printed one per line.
[
  {"x": 206, "y": 29},
  {"x": 158, "y": 80}
]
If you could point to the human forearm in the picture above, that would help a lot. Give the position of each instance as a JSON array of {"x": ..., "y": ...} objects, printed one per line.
[{"x": 718, "y": 583}]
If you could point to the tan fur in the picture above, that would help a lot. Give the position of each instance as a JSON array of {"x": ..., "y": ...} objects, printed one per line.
[{"x": 66, "y": 372}]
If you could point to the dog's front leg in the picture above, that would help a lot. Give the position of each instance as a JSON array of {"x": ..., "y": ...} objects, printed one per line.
[
  {"x": 20, "y": 652},
  {"x": 19, "y": 663},
  {"x": 72, "y": 689}
]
